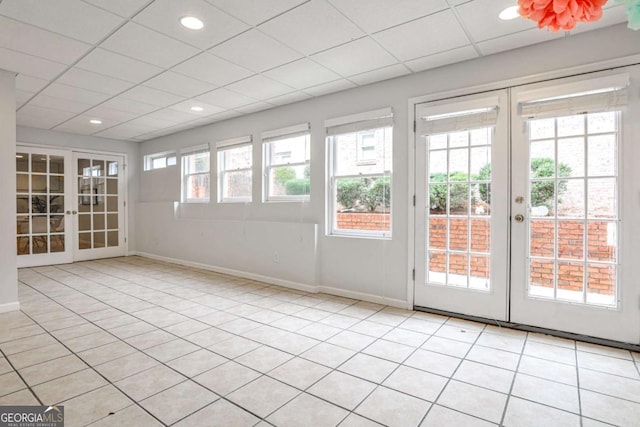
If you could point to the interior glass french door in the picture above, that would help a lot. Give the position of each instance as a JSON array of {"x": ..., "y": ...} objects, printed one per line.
[
  {"x": 572, "y": 241},
  {"x": 43, "y": 207},
  {"x": 99, "y": 197},
  {"x": 461, "y": 205}
]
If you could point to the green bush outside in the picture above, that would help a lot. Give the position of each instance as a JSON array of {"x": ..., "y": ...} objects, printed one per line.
[
  {"x": 298, "y": 187},
  {"x": 350, "y": 191},
  {"x": 542, "y": 192},
  {"x": 364, "y": 193},
  {"x": 459, "y": 192},
  {"x": 283, "y": 175},
  {"x": 378, "y": 193}
]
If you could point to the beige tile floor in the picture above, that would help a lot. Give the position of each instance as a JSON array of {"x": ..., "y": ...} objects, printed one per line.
[{"x": 135, "y": 342}]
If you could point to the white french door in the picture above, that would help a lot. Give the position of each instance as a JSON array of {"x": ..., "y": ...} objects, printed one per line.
[
  {"x": 461, "y": 205},
  {"x": 99, "y": 189},
  {"x": 44, "y": 220},
  {"x": 555, "y": 215},
  {"x": 70, "y": 206},
  {"x": 575, "y": 235}
]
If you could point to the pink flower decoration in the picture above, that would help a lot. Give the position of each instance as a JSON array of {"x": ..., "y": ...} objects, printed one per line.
[{"x": 561, "y": 14}]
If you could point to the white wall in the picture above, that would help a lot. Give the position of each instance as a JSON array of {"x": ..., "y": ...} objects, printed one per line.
[
  {"x": 368, "y": 268},
  {"x": 8, "y": 257},
  {"x": 90, "y": 143}
]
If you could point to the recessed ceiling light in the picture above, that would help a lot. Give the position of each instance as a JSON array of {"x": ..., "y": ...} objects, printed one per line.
[
  {"x": 509, "y": 13},
  {"x": 196, "y": 108},
  {"x": 191, "y": 22},
  {"x": 95, "y": 122}
]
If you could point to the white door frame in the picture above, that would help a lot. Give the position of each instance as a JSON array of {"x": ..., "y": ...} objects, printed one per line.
[
  {"x": 72, "y": 205},
  {"x": 494, "y": 302},
  {"x": 69, "y": 236},
  {"x": 105, "y": 252},
  {"x": 632, "y": 242}
]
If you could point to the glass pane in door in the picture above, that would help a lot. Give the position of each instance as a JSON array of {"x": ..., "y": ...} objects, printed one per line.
[
  {"x": 40, "y": 203},
  {"x": 98, "y": 214},
  {"x": 459, "y": 214},
  {"x": 573, "y": 221}
]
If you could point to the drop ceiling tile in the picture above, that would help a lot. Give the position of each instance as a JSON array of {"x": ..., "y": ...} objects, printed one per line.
[
  {"x": 123, "y": 104},
  {"x": 179, "y": 84},
  {"x": 164, "y": 16},
  {"x": 74, "y": 94},
  {"x": 613, "y": 14},
  {"x": 43, "y": 118},
  {"x": 151, "y": 123},
  {"x": 30, "y": 84},
  {"x": 302, "y": 74},
  {"x": 289, "y": 98},
  {"x": 173, "y": 116},
  {"x": 331, "y": 87},
  {"x": 78, "y": 77},
  {"x": 124, "y": 131},
  {"x": 81, "y": 125},
  {"x": 380, "y": 74},
  {"x": 136, "y": 41},
  {"x": 356, "y": 57},
  {"x": 54, "y": 103},
  {"x": 376, "y": 15},
  {"x": 516, "y": 40},
  {"x": 255, "y": 51},
  {"x": 225, "y": 98},
  {"x": 254, "y": 108},
  {"x": 22, "y": 97},
  {"x": 439, "y": 59},
  {"x": 105, "y": 113},
  {"x": 71, "y": 18},
  {"x": 124, "y": 8},
  {"x": 115, "y": 65},
  {"x": 480, "y": 17},
  {"x": 312, "y": 27},
  {"x": 207, "y": 109},
  {"x": 260, "y": 87},
  {"x": 212, "y": 69},
  {"x": 254, "y": 12},
  {"x": 226, "y": 115},
  {"x": 425, "y": 36},
  {"x": 29, "y": 65},
  {"x": 38, "y": 42},
  {"x": 151, "y": 96}
]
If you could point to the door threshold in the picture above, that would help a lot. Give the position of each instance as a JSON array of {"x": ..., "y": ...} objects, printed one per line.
[{"x": 536, "y": 329}]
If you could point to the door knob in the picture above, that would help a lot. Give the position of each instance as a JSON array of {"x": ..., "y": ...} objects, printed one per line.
[
  {"x": 519, "y": 218},
  {"x": 68, "y": 212},
  {"x": 75, "y": 212}
]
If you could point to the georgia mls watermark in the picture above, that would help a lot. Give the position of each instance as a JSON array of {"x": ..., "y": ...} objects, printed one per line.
[{"x": 31, "y": 416}]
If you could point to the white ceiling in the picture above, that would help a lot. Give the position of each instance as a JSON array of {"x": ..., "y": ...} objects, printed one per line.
[{"x": 132, "y": 65}]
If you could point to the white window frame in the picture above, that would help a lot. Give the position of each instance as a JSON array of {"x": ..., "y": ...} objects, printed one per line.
[
  {"x": 361, "y": 123},
  {"x": 270, "y": 137},
  {"x": 227, "y": 145},
  {"x": 185, "y": 155},
  {"x": 168, "y": 156},
  {"x": 365, "y": 148}
]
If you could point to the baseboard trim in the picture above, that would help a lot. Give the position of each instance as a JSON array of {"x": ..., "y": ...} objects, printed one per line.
[
  {"x": 9, "y": 306},
  {"x": 280, "y": 282},
  {"x": 238, "y": 273},
  {"x": 366, "y": 297}
]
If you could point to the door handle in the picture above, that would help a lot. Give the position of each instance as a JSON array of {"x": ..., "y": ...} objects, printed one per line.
[
  {"x": 75, "y": 212},
  {"x": 68, "y": 212},
  {"x": 519, "y": 218}
]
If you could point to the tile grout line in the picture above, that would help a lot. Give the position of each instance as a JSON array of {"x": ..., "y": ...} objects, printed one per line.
[
  {"x": 513, "y": 381},
  {"x": 318, "y": 322},
  {"x": 21, "y": 378}
]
